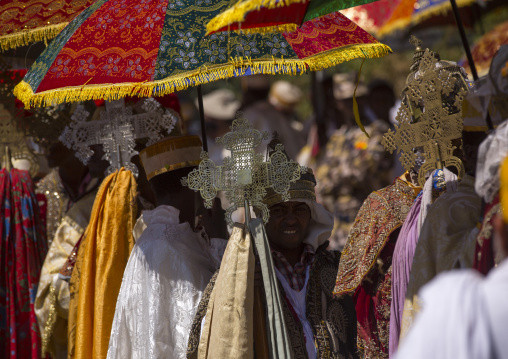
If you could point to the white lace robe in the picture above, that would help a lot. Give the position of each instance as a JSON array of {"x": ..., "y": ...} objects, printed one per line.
[{"x": 162, "y": 285}]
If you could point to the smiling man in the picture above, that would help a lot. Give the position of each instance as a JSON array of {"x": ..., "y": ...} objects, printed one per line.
[{"x": 319, "y": 325}]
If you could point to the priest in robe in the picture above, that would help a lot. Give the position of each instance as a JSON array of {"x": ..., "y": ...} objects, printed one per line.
[{"x": 170, "y": 264}]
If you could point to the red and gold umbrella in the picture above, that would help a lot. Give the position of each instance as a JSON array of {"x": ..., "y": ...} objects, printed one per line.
[
  {"x": 275, "y": 15},
  {"x": 486, "y": 47},
  {"x": 117, "y": 48},
  {"x": 25, "y": 21}
]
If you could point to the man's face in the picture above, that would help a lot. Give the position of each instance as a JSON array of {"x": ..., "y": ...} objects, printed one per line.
[{"x": 288, "y": 224}]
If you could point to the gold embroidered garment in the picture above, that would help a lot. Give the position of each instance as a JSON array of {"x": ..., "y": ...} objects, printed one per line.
[
  {"x": 56, "y": 201},
  {"x": 52, "y": 299},
  {"x": 107, "y": 245},
  {"x": 381, "y": 213},
  {"x": 365, "y": 266},
  {"x": 447, "y": 241}
]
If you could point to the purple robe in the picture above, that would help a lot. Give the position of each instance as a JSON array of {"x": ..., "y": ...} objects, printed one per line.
[{"x": 401, "y": 267}]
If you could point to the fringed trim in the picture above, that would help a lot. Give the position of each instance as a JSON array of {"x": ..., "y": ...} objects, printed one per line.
[
  {"x": 237, "y": 13},
  {"x": 268, "y": 29},
  {"x": 235, "y": 67},
  {"x": 26, "y": 37},
  {"x": 415, "y": 19}
]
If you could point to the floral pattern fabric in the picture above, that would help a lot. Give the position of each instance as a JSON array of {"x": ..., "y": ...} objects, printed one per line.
[
  {"x": 152, "y": 47},
  {"x": 22, "y": 251}
]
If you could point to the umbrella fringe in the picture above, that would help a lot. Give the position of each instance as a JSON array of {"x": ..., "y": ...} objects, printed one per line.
[
  {"x": 236, "y": 67},
  {"x": 402, "y": 24},
  {"x": 268, "y": 29},
  {"x": 26, "y": 37},
  {"x": 237, "y": 13}
]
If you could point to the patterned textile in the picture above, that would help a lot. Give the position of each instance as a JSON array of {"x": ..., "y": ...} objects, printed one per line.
[
  {"x": 484, "y": 259},
  {"x": 53, "y": 201},
  {"x": 52, "y": 299},
  {"x": 264, "y": 16},
  {"x": 66, "y": 271},
  {"x": 294, "y": 275},
  {"x": 447, "y": 241},
  {"x": 108, "y": 243},
  {"x": 163, "y": 48},
  {"x": 365, "y": 268},
  {"x": 382, "y": 212},
  {"x": 332, "y": 319},
  {"x": 26, "y": 21},
  {"x": 371, "y": 16},
  {"x": 22, "y": 250},
  {"x": 352, "y": 167}
]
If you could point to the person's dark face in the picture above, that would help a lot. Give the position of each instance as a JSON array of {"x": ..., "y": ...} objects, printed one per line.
[
  {"x": 96, "y": 165},
  {"x": 288, "y": 224},
  {"x": 57, "y": 153}
]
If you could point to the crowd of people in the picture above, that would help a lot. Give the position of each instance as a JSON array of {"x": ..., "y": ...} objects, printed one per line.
[{"x": 366, "y": 256}]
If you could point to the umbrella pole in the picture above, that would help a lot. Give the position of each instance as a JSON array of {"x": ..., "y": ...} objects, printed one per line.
[
  {"x": 469, "y": 55},
  {"x": 202, "y": 118}
]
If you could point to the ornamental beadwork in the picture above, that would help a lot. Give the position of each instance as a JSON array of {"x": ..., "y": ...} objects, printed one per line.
[
  {"x": 117, "y": 130},
  {"x": 244, "y": 177},
  {"x": 13, "y": 139},
  {"x": 429, "y": 118}
]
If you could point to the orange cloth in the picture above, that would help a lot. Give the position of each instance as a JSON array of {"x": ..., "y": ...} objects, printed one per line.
[{"x": 107, "y": 247}]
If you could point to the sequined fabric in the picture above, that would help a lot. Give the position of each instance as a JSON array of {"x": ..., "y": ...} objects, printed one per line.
[
  {"x": 55, "y": 201},
  {"x": 484, "y": 259},
  {"x": 381, "y": 213}
]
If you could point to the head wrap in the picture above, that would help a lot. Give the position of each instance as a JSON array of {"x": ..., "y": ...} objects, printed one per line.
[{"x": 302, "y": 190}]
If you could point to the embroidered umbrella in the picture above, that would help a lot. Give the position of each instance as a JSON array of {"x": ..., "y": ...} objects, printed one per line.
[
  {"x": 275, "y": 15},
  {"x": 116, "y": 48},
  {"x": 25, "y": 21},
  {"x": 486, "y": 47}
]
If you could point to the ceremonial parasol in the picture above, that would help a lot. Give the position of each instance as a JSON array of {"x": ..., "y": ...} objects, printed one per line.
[
  {"x": 269, "y": 15},
  {"x": 486, "y": 47},
  {"x": 25, "y": 21},
  {"x": 117, "y": 48}
]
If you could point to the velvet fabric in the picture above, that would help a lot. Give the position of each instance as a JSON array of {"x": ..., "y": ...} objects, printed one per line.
[{"x": 107, "y": 245}]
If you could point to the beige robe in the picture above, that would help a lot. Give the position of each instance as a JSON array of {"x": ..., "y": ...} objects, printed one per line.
[{"x": 52, "y": 299}]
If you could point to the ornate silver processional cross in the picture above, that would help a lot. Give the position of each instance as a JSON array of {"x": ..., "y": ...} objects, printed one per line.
[
  {"x": 244, "y": 177},
  {"x": 117, "y": 130}
]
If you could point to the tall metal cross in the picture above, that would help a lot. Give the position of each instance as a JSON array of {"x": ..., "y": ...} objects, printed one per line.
[
  {"x": 244, "y": 177},
  {"x": 434, "y": 128},
  {"x": 117, "y": 130}
]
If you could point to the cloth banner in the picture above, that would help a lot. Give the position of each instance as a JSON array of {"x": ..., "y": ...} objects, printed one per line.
[
  {"x": 228, "y": 332},
  {"x": 280, "y": 347}
]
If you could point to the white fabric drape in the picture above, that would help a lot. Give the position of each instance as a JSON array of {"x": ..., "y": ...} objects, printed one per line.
[
  {"x": 162, "y": 285},
  {"x": 463, "y": 315}
]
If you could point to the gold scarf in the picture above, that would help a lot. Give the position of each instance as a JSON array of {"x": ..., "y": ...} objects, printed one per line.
[{"x": 107, "y": 245}]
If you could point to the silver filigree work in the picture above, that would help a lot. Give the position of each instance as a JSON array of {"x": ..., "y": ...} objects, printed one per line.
[
  {"x": 117, "y": 130},
  {"x": 243, "y": 177}
]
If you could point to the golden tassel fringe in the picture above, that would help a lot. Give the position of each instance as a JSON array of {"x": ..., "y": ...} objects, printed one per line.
[
  {"x": 238, "y": 12},
  {"x": 268, "y": 29},
  {"x": 26, "y": 37},
  {"x": 236, "y": 66},
  {"x": 441, "y": 9}
]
